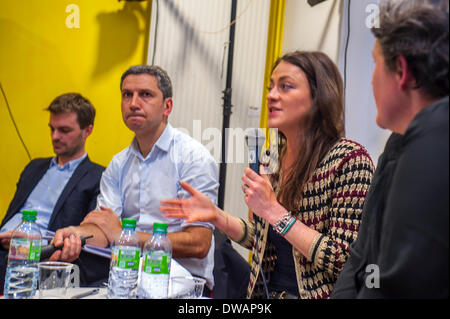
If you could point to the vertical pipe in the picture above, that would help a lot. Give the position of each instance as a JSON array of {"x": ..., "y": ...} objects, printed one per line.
[
  {"x": 227, "y": 106},
  {"x": 273, "y": 52}
]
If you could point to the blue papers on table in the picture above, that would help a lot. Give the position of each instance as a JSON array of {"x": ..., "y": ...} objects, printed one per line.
[{"x": 104, "y": 252}]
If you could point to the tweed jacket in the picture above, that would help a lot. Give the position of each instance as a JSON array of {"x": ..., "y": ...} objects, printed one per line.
[{"x": 331, "y": 203}]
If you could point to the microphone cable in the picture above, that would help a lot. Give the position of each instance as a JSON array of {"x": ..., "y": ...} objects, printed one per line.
[
  {"x": 14, "y": 122},
  {"x": 347, "y": 42}
]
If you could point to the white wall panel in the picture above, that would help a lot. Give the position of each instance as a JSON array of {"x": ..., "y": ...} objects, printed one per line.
[
  {"x": 192, "y": 58},
  {"x": 189, "y": 47},
  {"x": 324, "y": 28},
  {"x": 248, "y": 81},
  {"x": 357, "y": 62},
  {"x": 312, "y": 28}
]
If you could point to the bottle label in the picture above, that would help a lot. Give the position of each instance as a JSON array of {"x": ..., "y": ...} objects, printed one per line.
[
  {"x": 125, "y": 257},
  {"x": 157, "y": 262},
  {"x": 25, "y": 249}
]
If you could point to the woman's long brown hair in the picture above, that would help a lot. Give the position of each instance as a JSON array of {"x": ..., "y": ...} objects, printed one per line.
[{"x": 323, "y": 125}]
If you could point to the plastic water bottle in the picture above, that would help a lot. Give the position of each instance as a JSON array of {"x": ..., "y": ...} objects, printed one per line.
[
  {"x": 124, "y": 270},
  {"x": 154, "y": 282},
  {"x": 24, "y": 253}
]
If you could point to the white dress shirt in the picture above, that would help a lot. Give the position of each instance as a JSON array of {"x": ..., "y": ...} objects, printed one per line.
[{"x": 133, "y": 186}]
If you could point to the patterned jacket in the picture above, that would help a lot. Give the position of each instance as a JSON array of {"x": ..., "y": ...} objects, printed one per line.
[{"x": 331, "y": 203}]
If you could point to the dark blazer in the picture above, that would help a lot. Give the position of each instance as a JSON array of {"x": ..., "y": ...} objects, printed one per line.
[
  {"x": 402, "y": 247},
  {"x": 77, "y": 199}
]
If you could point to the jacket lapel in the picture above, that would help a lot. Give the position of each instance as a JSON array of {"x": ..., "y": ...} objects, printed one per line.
[
  {"x": 81, "y": 170},
  {"x": 26, "y": 187}
]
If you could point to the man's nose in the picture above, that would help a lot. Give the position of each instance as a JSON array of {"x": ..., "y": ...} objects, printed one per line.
[
  {"x": 134, "y": 103},
  {"x": 55, "y": 135}
]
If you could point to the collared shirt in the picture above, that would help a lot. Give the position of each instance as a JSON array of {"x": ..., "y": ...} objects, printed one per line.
[
  {"x": 133, "y": 186},
  {"x": 45, "y": 194}
]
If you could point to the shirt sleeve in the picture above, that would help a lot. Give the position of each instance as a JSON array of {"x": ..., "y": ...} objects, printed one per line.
[
  {"x": 110, "y": 194},
  {"x": 248, "y": 234},
  {"x": 199, "y": 170}
]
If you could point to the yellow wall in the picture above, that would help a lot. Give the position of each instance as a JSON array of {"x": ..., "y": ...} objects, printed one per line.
[{"x": 40, "y": 58}]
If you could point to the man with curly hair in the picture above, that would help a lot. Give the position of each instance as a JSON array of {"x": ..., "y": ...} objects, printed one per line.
[{"x": 402, "y": 246}]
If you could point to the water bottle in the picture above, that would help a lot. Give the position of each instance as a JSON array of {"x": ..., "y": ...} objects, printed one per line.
[
  {"x": 24, "y": 253},
  {"x": 154, "y": 282},
  {"x": 124, "y": 269}
]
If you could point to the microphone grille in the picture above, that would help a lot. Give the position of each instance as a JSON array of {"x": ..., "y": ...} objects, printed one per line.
[{"x": 254, "y": 136}]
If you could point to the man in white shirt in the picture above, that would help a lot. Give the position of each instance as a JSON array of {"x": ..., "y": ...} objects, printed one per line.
[{"x": 150, "y": 170}]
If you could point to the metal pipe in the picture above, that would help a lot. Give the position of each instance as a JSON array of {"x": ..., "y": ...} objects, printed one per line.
[{"x": 227, "y": 93}]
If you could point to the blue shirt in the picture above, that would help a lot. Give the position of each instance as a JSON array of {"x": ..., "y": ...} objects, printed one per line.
[
  {"x": 133, "y": 186},
  {"x": 45, "y": 194}
]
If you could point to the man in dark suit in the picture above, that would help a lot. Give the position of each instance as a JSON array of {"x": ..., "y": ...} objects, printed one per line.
[
  {"x": 63, "y": 189},
  {"x": 402, "y": 249}
]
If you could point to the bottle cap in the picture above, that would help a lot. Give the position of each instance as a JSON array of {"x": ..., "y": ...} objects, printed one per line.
[
  {"x": 29, "y": 215},
  {"x": 160, "y": 228},
  {"x": 128, "y": 223}
]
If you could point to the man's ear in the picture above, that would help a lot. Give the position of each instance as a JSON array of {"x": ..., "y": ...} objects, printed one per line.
[
  {"x": 168, "y": 105},
  {"x": 404, "y": 75},
  {"x": 87, "y": 131}
]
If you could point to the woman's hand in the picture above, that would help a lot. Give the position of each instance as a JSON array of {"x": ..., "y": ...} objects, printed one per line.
[
  {"x": 198, "y": 208},
  {"x": 259, "y": 195}
]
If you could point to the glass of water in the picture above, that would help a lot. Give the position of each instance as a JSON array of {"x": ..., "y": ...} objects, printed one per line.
[
  {"x": 186, "y": 287},
  {"x": 54, "y": 279}
]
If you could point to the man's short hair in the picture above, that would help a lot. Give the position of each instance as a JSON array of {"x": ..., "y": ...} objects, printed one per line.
[
  {"x": 417, "y": 30},
  {"x": 76, "y": 103},
  {"x": 163, "y": 79}
]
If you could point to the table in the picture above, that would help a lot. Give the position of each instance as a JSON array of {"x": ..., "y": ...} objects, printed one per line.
[{"x": 176, "y": 271}]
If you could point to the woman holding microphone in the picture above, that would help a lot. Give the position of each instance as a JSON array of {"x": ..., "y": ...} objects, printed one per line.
[{"x": 308, "y": 212}]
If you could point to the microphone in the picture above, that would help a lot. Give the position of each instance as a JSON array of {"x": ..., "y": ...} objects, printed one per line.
[
  {"x": 255, "y": 139},
  {"x": 48, "y": 250}
]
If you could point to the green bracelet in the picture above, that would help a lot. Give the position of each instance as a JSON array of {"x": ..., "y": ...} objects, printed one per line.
[{"x": 289, "y": 226}]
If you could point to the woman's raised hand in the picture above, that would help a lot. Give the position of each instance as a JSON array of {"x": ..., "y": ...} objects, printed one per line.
[{"x": 198, "y": 208}]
